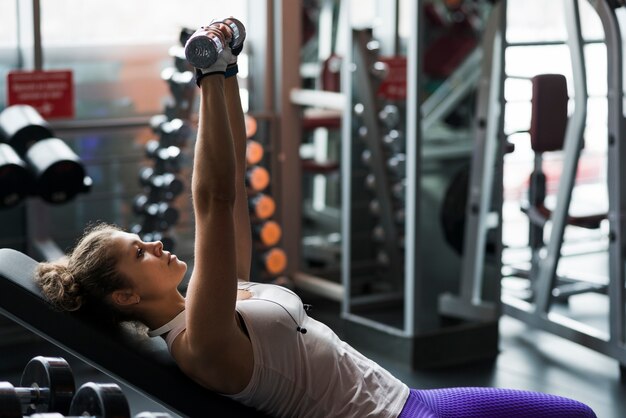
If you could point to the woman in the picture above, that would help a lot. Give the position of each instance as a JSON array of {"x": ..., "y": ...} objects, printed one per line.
[{"x": 252, "y": 342}]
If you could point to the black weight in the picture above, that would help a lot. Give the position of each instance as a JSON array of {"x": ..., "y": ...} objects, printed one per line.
[
  {"x": 16, "y": 181},
  {"x": 58, "y": 172},
  {"x": 453, "y": 207},
  {"x": 53, "y": 374},
  {"x": 167, "y": 183},
  {"x": 10, "y": 405},
  {"x": 104, "y": 400},
  {"x": 21, "y": 126}
]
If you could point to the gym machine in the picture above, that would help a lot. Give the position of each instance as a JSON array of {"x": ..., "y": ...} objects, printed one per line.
[
  {"x": 546, "y": 285},
  {"x": 402, "y": 186}
]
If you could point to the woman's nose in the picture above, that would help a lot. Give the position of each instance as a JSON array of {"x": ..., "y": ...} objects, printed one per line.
[{"x": 158, "y": 248}]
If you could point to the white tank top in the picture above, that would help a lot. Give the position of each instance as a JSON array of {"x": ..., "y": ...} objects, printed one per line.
[{"x": 312, "y": 374}]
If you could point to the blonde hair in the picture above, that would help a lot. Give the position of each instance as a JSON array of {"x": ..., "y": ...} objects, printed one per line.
[{"x": 84, "y": 279}]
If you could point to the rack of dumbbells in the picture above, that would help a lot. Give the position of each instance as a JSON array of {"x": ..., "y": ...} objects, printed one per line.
[
  {"x": 161, "y": 181},
  {"x": 269, "y": 260},
  {"x": 379, "y": 180},
  {"x": 47, "y": 389},
  {"x": 34, "y": 162}
]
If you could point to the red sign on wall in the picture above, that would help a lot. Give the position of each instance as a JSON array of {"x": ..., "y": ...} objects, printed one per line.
[
  {"x": 393, "y": 86},
  {"x": 50, "y": 92}
]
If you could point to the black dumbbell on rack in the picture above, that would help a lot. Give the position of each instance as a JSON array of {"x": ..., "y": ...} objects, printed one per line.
[
  {"x": 47, "y": 385},
  {"x": 165, "y": 186},
  {"x": 148, "y": 233},
  {"x": 16, "y": 180},
  {"x": 159, "y": 215},
  {"x": 167, "y": 159},
  {"x": 57, "y": 173}
]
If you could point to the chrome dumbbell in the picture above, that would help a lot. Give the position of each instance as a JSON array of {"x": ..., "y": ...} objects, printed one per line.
[{"x": 203, "y": 48}]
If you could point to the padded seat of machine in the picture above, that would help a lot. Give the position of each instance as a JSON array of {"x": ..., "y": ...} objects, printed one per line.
[
  {"x": 141, "y": 362},
  {"x": 541, "y": 214}
]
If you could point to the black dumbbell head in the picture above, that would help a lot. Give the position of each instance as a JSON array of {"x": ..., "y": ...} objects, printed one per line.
[
  {"x": 21, "y": 126},
  {"x": 16, "y": 181},
  {"x": 59, "y": 174},
  {"x": 53, "y": 373},
  {"x": 100, "y": 400}
]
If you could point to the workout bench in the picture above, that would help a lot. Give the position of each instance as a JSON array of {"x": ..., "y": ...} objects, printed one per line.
[{"x": 143, "y": 363}]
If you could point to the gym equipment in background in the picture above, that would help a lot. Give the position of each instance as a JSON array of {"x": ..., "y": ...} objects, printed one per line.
[
  {"x": 162, "y": 182},
  {"x": 56, "y": 172},
  {"x": 537, "y": 310},
  {"x": 269, "y": 261}
]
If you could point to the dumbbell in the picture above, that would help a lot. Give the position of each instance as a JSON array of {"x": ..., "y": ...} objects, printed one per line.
[
  {"x": 161, "y": 213},
  {"x": 57, "y": 171},
  {"x": 251, "y": 126},
  {"x": 166, "y": 158},
  {"x": 181, "y": 83},
  {"x": 397, "y": 165},
  {"x": 180, "y": 62},
  {"x": 261, "y": 206},
  {"x": 366, "y": 157},
  {"x": 47, "y": 385},
  {"x": 267, "y": 233},
  {"x": 394, "y": 141},
  {"x": 96, "y": 400},
  {"x": 174, "y": 132},
  {"x": 379, "y": 70},
  {"x": 147, "y": 234},
  {"x": 202, "y": 49},
  {"x": 398, "y": 212},
  {"x": 370, "y": 182},
  {"x": 16, "y": 181},
  {"x": 273, "y": 261},
  {"x": 257, "y": 179},
  {"x": 21, "y": 126},
  {"x": 167, "y": 183},
  {"x": 389, "y": 115},
  {"x": 398, "y": 190},
  {"x": 254, "y": 152}
]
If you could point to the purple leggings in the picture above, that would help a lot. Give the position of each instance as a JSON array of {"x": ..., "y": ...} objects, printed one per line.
[{"x": 472, "y": 402}]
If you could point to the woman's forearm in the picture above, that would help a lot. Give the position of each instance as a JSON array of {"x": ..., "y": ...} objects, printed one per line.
[
  {"x": 214, "y": 155},
  {"x": 241, "y": 212}
]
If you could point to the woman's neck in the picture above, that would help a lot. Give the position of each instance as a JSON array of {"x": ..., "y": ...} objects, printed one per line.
[{"x": 155, "y": 314}]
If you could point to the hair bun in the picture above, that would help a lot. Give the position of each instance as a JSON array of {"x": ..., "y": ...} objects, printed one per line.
[{"x": 59, "y": 285}]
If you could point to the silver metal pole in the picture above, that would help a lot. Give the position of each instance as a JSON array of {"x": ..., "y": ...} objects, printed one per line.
[
  {"x": 412, "y": 259},
  {"x": 573, "y": 143}
]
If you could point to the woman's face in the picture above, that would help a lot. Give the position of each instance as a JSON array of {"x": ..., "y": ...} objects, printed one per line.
[{"x": 152, "y": 271}]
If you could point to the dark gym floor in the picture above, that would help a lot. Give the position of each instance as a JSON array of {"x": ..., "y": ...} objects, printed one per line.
[{"x": 528, "y": 359}]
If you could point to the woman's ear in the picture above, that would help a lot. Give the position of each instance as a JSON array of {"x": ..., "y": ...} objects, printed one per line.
[{"x": 125, "y": 297}]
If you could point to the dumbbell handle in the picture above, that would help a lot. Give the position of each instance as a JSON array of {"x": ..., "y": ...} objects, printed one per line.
[{"x": 33, "y": 394}]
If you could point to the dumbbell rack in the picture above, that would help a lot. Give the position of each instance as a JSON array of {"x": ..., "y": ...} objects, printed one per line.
[
  {"x": 269, "y": 260},
  {"x": 161, "y": 181},
  {"x": 379, "y": 181}
]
